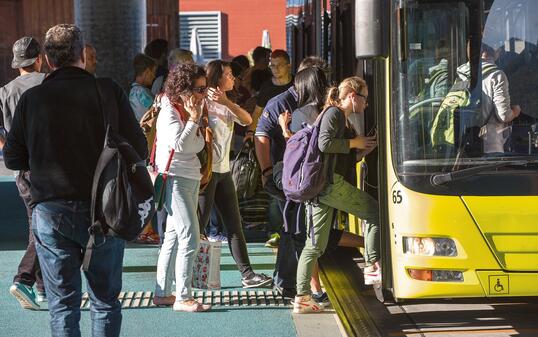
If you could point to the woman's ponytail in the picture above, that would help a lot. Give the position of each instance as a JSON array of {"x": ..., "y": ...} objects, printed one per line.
[{"x": 332, "y": 97}]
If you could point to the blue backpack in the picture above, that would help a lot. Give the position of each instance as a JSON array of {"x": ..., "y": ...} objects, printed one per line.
[{"x": 303, "y": 176}]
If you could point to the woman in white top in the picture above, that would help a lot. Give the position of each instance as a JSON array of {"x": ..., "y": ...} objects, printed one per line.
[
  {"x": 220, "y": 192},
  {"x": 177, "y": 129}
]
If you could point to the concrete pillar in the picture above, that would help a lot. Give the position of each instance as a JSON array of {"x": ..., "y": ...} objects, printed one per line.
[{"x": 117, "y": 30}]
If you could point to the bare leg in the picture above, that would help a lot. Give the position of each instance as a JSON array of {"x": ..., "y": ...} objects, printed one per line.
[
  {"x": 315, "y": 284},
  {"x": 349, "y": 239}
]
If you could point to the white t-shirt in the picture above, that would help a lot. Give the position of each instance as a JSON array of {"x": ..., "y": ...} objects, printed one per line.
[{"x": 221, "y": 122}]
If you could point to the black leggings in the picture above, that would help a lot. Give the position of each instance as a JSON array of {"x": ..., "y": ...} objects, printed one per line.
[{"x": 220, "y": 192}]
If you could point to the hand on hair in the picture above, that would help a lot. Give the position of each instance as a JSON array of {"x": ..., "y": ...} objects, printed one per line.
[{"x": 217, "y": 95}]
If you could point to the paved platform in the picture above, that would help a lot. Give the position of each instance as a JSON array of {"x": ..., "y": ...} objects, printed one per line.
[{"x": 259, "y": 316}]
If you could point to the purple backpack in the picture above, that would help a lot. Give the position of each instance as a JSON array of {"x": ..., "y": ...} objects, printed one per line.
[{"x": 303, "y": 176}]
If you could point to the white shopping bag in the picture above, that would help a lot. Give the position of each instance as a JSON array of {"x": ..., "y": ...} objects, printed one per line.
[{"x": 206, "y": 268}]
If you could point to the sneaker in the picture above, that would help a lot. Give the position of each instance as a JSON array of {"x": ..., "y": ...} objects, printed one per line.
[
  {"x": 321, "y": 298},
  {"x": 41, "y": 299},
  {"x": 273, "y": 241},
  {"x": 257, "y": 281},
  {"x": 218, "y": 237},
  {"x": 25, "y": 295},
  {"x": 285, "y": 292},
  {"x": 191, "y": 306},
  {"x": 306, "y": 304},
  {"x": 372, "y": 274}
]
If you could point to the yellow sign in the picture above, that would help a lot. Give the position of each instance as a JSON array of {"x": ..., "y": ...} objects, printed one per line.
[{"x": 499, "y": 285}]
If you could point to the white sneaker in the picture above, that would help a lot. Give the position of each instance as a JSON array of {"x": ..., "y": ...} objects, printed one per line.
[
  {"x": 372, "y": 274},
  {"x": 305, "y": 304}
]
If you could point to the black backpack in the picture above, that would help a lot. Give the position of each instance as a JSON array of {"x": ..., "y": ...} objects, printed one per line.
[
  {"x": 246, "y": 172},
  {"x": 122, "y": 193}
]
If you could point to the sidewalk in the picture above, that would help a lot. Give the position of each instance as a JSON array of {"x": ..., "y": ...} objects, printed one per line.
[{"x": 139, "y": 275}]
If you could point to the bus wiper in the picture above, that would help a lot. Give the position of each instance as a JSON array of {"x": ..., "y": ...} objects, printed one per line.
[{"x": 443, "y": 178}]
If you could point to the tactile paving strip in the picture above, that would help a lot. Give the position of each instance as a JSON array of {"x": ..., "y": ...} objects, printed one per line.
[{"x": 225, "y": 298}]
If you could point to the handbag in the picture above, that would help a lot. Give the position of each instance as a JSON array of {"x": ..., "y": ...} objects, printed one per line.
[
  {"x": 206, "y": 155},
  {"x": 159, "y": 178},
  {"x": 206, "y": 267}
]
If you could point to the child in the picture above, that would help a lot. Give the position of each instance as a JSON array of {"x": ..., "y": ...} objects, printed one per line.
[{"x": 140, "y": 95}]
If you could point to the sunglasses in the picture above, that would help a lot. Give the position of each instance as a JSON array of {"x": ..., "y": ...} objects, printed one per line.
[{"x": 199, "y": 90}]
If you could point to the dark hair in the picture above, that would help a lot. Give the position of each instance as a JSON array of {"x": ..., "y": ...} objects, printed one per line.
[
  {"x": 487, "y": 49},
  {"x": 237, "y": 69},
  {"x": 214, "y": 71},
  {"x": 242, "y": 60},
  {"x": 313, "y": 61},
  {"x": 259, "y": 77},
  {"x": 311, "y": 85},
  {"x": 260, "y": 53},
  {"x": 142, "y": 62},
  {"x": 280, "y": 53},
  {"x": 156, "y": 48},
  {"x": 64, "y": 45},
  {"x": 181, "y": 80}
]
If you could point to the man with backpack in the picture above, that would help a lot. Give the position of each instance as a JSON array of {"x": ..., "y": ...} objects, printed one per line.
[
  {"x": 58, "y": 133},
  {"x": 491, "y": 116}
]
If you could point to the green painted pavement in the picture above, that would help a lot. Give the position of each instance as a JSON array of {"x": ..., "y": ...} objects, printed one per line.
[{"x": 159, "y": 321}]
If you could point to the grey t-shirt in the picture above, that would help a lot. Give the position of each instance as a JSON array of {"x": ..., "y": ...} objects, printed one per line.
[
  {"x": 305, "y": 115},
  {"x": 12, "y": 92}
]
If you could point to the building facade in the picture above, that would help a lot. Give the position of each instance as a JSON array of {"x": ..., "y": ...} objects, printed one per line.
[
  {"x": 33, "y": 17},
  {"x": 235, "y": 26}
]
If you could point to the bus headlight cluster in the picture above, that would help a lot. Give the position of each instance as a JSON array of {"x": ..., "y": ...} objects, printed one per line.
[
  {"x": 429, "y": 246},
  {"x": 436, "y": 275}
]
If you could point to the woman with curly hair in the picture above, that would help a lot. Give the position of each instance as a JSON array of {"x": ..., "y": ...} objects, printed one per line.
[
  {"x": 220, "y": 192},
  {"x": 178, "y": 131}
]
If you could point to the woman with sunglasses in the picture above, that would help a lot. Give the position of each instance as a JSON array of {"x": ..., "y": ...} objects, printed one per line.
[
  {"x": 342, "y": 101},
  {"x": 179, "y": 138},
  {"x": 220, "y": 192}
]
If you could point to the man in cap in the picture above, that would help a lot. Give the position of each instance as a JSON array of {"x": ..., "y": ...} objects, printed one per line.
[{"x": 27, "y": 59}]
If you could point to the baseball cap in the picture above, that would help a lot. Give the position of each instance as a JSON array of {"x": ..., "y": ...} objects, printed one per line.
[{"x": 25, "y": 52}]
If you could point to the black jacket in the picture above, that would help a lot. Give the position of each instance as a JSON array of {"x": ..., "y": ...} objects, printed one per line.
[{"x": 58, "y": 133}]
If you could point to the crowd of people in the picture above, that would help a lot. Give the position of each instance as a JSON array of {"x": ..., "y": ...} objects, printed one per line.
[{"x": 44, "y": 116}]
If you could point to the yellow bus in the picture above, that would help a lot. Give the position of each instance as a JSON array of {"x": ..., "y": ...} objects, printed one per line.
[{"x": 454, "y": 97}]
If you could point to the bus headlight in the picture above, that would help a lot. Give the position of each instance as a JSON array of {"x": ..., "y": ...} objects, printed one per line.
[{"x": 429, "y": 246}]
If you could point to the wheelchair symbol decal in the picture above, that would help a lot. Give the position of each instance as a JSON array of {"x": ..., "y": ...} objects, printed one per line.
[{"x": 499, "y": 285}]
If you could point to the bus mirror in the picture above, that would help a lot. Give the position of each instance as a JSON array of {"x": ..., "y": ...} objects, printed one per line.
[{"x": 371, "y": 28}]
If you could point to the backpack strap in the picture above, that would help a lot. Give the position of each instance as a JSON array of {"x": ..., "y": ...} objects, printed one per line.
[
  {"x": 109, "y": 110},
  {"x": 297, "y": 219},
  {"x": 311, "y": 223},
  {"x": 284, "y": 215}
]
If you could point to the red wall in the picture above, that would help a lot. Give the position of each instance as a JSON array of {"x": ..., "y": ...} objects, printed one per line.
[{"x": 244, "y": 21}]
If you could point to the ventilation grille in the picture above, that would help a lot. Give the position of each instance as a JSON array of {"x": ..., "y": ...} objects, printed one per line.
[
  {"x": 208, "y": 25},
  {"x": 235, "y": 298}
]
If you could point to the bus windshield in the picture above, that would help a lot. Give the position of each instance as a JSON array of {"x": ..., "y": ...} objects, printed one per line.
[{"x": 466, "y": 80}]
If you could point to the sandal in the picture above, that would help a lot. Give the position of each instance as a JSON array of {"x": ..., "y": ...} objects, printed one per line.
[
  {"x": 151, "y": 238},
  {"x": 191, "y": 306}
]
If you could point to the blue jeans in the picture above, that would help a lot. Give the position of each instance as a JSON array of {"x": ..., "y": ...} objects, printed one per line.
[{"x": 61, "y": 233}]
